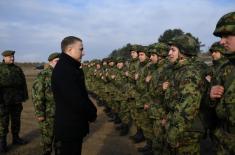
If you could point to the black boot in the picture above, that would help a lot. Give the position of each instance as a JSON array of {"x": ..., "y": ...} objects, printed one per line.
[
  {"x": 3, "y": 144},
  {"x": 147, "y": 147},
  {"x": 119, "y": 127},
  {"x": 18, "y": 141},
  {"x": 112, "y": 117},
  {"x": 136, "y": 134},
  {"x": 139, "y": 137},
  {"x": 125, "y": 130},
  {"x": 117, "y": 119}
]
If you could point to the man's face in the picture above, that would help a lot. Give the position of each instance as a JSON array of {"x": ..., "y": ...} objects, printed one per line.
[
  {"x": 54, "y": 62},
  {"x": 154, "y": 58},
  {"x": 9, "y": 59},
  {"x": 173, "y": 54},
  {"x": 104, "y": 63},
  {"x": 98, "y": 66},
  {"x": 76, "y": 51},
  {"x": 111, "y": 63},
  {"x": 228, "y": 42},
  {"x": 134, "y": 54},
  {"x": 120, "y": 65},
  {"x": 142, "y": 56},
  {"x": 216, "y": 55}
]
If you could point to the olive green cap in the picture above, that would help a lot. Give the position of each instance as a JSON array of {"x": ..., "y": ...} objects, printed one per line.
[
  {"x": 134, "y": 47},
  {"x": 53, "y": 56},
  {"x": 226, "y": 25},
  {"x": 8, "y": 53},
  {"x": 120, "y": 59},
  {"x": 161, "y": 49},
  {"x": 216, "y": 46},
  {"x": 143, "y": 49},
  {"x": 186, "y": 44}
]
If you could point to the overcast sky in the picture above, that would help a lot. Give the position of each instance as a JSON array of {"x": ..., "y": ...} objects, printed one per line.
[{"x": 35, "y": 28}]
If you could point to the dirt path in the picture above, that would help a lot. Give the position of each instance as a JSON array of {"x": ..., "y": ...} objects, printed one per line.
[{"x": 102, "y": 140}]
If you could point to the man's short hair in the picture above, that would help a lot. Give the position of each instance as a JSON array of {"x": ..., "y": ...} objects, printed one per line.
[{"x": 68, "y": 41}]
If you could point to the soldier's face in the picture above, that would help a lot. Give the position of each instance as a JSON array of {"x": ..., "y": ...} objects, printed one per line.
[
  {"x": 9, "y": 59},
  {"x": 111, "y": 63},
  {"x": 120, "y": 65},
  {"x": 104, "y": 63},
  {"x": 98, "y": 66},
  {"x": 216, "y": 55},
  {"x": 154, "y": 58},
  {"x": 142, "y": 56},
  {"x": 173, "y": 54},
  {"x": 76, "y": 51},
  {"x": 228, "y": 41},
  {"x": 134, "y": 54}
]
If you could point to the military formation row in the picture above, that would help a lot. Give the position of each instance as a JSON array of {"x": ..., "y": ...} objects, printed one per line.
[{"x": 172, "y": 98}]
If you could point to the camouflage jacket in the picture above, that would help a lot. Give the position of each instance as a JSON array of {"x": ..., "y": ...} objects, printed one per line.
[
  {"x": 132, "y": 68},
  {"x": 182, "y": 99},
  {"x": 13, "y": 85},
  {"x": 42, "y": 95},
  {"x": 225, "y": 107}
]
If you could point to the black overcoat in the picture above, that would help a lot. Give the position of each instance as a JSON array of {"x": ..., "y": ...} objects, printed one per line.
[{"x": 74, "y": 110}]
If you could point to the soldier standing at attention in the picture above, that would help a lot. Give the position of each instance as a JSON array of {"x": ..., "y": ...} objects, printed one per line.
[
  {"x": 44, "y": 104},
  {"x": 13, "y": 92},
  {"x": 223, "y": 91},
  {"x": 183, "y": 94}
]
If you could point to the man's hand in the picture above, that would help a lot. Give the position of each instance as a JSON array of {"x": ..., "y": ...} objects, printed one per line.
[
  {"x": 148, "y": 78},
  {"x": 113, "y": 76},
  {"x": 165, "y": 85},
  {"x": 126, "y": 73},
  {"x": 136, "y": 76},
  {"x": 40, "y": 119},
  {"x": 163, "y": 122},
  {"x": 146, "y": 106},
  {"x": 216, "y": 92}
]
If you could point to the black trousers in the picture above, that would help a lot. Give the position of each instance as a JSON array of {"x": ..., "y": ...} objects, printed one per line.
[
  {"x": 68, "y": 147},
  {"x": 10, "y": 113}
]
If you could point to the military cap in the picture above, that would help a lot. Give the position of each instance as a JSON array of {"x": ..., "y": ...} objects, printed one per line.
[
  {"x": 143, "y": 49},
  {"x": 53, "y": 56},
  {"x": 216, "y": 46},
  {"x": 98, "y": 61},
  {"x": 8, "y": 53},
  {"x": 161, "y": 49},
  {"x": 134, "y": 47},
  {"x": 226, "y": 25},
  {"x": 111, "y": 59},
  {"x": 105, "y": 59},
  {"x": 186, "y": 44},
  {"x": 120, "y": 59}
]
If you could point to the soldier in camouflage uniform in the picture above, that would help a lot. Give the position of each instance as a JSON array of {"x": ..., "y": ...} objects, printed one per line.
[
  {"x": 184, "y": 91},
  {"x": 138, "y": 112},
  {"x": 222, "y": 93},
  {"x": 152, "y": 99},
  {"x": 208, "y": 113},
  {"x": 128, "y": 88},
  {"x": 44, "y": 104},
  {"x": 13, "y": 92}
]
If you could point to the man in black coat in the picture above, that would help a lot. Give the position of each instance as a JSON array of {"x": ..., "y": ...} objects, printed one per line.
[{"x": 74, "y": 110}]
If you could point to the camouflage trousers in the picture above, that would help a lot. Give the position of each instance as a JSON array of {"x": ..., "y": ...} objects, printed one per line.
[
  {"x": 9, "y": 113},
  {"x": 225, "y": 142},
  {"x": 132, "y": 110},
  {"x": 145, "y": 123},
  {"x": 47, "y": 136},
  {"x": 189, "y": 144},
  {"x": 159, "y": 139},
  {"x": 125, "y": 113}
]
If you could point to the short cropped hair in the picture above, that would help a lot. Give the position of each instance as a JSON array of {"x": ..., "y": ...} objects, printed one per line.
[{"x": 68, "y": 41}]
